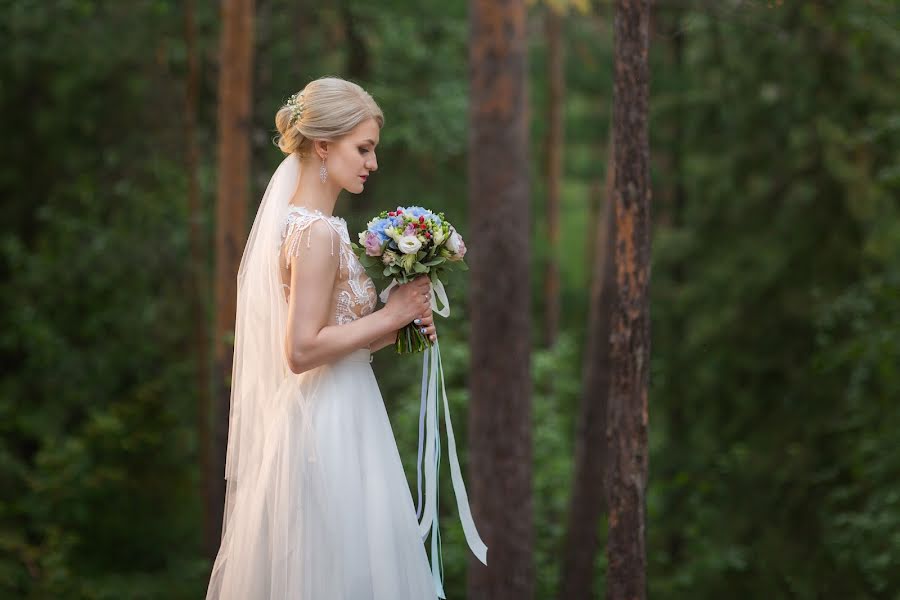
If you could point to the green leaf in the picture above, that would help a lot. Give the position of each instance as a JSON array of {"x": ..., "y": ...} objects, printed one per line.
[{"x": 369, "y": 261}]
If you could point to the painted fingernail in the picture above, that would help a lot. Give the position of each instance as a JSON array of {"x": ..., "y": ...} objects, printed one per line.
[
  {"x": 417, "y": 321},
  {"x": 422, "y": 330}
]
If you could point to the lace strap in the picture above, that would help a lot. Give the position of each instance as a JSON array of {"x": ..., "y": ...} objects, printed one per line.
[{"x": 296, "y": 224}]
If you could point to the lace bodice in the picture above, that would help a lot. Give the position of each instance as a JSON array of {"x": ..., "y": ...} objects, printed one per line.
[{"x": 353, "y": 292}]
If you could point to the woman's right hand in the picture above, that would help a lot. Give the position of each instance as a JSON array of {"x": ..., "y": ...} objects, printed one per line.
[{"x": 411, "y": 300}]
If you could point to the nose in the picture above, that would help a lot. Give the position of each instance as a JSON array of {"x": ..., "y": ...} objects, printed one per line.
[{"x": 372, "y": 163}]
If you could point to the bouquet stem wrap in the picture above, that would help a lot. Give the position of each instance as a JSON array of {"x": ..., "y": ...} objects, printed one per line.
[{"x": 429, "y": 425}]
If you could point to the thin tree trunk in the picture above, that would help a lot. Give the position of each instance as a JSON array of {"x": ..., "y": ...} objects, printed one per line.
[
  {"x": 588, "y": 503},
  {"x": 199, "y": 275},
  {"x": 499, "y": 427},
  {"x": 235, "y": 77},
  {"x": 628, "y": 414},
  {"x": 555, "y": 132}
]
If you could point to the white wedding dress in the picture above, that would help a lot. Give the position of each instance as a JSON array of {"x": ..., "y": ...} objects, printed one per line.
[{"x": 329, "y": 515}]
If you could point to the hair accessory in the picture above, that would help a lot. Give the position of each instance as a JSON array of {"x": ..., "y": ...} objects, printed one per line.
[{"x": 295, "y": 103}]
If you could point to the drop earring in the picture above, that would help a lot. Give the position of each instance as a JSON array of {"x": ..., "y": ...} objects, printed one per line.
[{"x": 323, "y": 172}]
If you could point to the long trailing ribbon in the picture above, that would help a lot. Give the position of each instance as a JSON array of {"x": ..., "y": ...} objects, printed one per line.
[
  {"x": 430, "y": 441},
  {"x": 429, "y": 415}
]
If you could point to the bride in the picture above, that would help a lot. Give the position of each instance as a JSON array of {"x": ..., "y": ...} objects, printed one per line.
[{"x": 317, "y": 506}]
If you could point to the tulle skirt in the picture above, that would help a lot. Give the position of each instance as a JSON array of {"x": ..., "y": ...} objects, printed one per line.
[{"x": 331, "y": 516}]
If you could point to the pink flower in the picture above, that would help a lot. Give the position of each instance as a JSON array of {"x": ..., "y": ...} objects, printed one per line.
[
  {"x": 373, "y": 244},
  {"x": 455, "y": 244},
  {"x": 410, "y": 229}
]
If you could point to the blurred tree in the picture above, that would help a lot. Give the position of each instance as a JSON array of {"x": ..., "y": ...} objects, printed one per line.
[
  {"x": 199, "y": 277},
  {"x": 627, "y": 451},
  {"x": 556, "y": 76},
  {"x": 235, "y": 97},
  {"x": 500, "y": 453}
]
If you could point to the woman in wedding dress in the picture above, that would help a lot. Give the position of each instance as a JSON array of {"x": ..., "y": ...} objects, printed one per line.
[{"x": 317, "y": 504}]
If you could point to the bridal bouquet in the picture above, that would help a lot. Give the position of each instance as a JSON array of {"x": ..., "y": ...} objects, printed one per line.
[{"x": 406, "y": 243}]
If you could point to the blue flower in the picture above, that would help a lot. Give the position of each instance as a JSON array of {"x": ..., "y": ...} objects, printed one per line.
[
  {"x": 418, "y": 211},
  {"x": 379, "y": 225}
]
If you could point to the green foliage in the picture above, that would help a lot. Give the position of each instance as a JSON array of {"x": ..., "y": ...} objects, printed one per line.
[
  {"x": 98, "y": 452},
  {"x": 775, "y": 308}
]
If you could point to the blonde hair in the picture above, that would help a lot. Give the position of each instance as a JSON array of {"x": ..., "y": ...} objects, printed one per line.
[{"x": 332, "y": 107}]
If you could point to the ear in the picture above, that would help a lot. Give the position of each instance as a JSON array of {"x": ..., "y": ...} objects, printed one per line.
[{"x": 321, "y": 148}]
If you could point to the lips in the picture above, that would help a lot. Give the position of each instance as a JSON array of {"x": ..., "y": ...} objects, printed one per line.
[{"x": 363, "y": 177}]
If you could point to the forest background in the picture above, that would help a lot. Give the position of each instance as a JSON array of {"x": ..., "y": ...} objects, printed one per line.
[{"x": 775, "y": 289}]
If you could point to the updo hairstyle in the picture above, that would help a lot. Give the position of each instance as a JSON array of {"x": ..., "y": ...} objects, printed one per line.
[{"x": 326, "y": 109}]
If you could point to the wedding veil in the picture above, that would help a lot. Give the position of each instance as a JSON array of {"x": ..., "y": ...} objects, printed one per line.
[{"x": 260, "y": 323}]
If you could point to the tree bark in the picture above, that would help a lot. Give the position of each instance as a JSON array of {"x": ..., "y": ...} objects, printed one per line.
[
  {"x": 499, "y": 426},
  {"x": 234, "y": 117},
  {"x": 199, "y": 275},
  {"x": 627, "y": 417},
  {"x": 556, "y": 75},
  {"x": 587, "y": 504}
]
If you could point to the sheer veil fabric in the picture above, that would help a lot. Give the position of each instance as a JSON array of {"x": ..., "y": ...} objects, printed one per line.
[
  {"x": 259, "y": 363},
  {"x": 317, "y": 505}
]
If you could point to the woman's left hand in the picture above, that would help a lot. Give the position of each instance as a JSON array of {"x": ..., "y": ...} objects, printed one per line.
[{"x": 426, "y": 326}]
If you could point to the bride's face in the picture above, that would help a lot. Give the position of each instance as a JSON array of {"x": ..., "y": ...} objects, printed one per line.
[{"x": 352, "y": 158}]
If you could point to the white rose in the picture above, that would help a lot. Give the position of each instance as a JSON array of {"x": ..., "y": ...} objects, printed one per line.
[
  {"x": 409, "y": 244},
  {"x": 453, "y": 242},
  {"x": 439, "y": 236},
  {"x": 362, "y": 237}
]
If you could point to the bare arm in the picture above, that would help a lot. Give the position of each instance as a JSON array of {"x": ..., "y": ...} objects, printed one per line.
[
  {"x": 334, "y": 341},
  {"x": 310, "y": 341}
]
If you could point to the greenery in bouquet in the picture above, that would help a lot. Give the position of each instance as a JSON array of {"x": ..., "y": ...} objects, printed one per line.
[{"x": 410, "y": 242}]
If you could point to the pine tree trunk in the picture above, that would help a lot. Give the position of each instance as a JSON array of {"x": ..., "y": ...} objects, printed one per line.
[
  {"x": 234, "y": 117},
  {"x": 588, "y": 499},
  {"x": 499, "y": 426},
  {"x": 556, "y": 75},
  {"x": 199, "y": 275},
  {"x": 628, "y": 414}
]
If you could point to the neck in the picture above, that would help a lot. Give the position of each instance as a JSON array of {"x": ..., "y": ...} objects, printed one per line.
[{"x": 311, "y": 192}]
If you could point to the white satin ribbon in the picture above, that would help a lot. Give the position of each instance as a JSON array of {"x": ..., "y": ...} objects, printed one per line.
[
  {"x": 432, "y": 359},
  {"x": 437, "y": 293}
]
